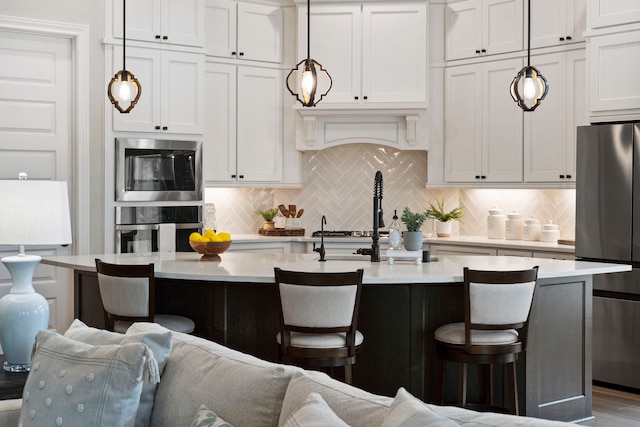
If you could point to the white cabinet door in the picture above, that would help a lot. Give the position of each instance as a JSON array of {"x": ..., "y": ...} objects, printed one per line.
[
  {"x": 483, "y": 126},
  {"x": 243, "y": 136},
  {"x": 259, "y": 129},
  {"x": 606, "y": 13},
  {"x": 394, "y": 55},
  {"x": 557, "y": 22},
  {"x": 550, "y": 131},
  {"x": 374, "y": 52},
  {"x": 165, "y": 21},
  {"x": 171, "y": 99},
  {"x": 613, "y": 79},
  {"x": 483, "y": 27},
  {"x": 243, "y": 31},
  {"x": 219, "y": 147}
]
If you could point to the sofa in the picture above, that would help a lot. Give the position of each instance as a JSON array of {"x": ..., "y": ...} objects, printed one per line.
[{"x": 202, "y": 383}]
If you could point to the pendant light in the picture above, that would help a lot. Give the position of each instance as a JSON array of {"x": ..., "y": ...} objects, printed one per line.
[
  {"x": 124, "y": 89},
  {"x": 534, "y": 86},
  {"x": 305, "y": 79}
]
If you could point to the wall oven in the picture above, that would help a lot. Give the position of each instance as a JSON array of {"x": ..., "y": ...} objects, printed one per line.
[
  {"x": 158, "y": 170},
  {"x": 143, "y": 229}
]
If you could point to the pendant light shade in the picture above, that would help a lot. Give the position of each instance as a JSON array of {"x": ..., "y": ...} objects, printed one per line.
[
  {"x": 308, "y": 75},
  {"x": 529, "y": 86},
  {"x": 124, "y": 89}
]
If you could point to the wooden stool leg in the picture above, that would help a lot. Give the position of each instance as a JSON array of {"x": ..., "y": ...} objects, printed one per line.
[
  {"x": 513, "y": 389},
  {"x": 440, "y": 366},
  {"x": 347, "y": 373},
  {"x": 487, "y": 380},
  {"x": 462, "y": 385}
]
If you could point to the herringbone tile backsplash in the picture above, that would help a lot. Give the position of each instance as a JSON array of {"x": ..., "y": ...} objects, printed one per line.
[{"x": 338, "y": 183}]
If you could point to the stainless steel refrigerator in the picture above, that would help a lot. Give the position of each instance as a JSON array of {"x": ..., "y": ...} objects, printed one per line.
[{"x": 608, "y": 229}]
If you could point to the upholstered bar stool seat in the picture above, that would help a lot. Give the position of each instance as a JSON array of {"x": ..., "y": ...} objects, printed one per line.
[
  {"x": 494, "y": 331},
  {"x": 318, "y": 319},
  {"x": 128, "y": 295}
]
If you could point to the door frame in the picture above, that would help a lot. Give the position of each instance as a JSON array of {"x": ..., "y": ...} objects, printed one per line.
[{"x": 79, "y": 37}]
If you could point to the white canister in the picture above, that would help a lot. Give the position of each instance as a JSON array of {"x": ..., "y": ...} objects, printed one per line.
[
  {"x": 550, "y": 232},
  {"x": 495, "y": 223},
  {"x": 532, "y": 229},
  {"x": 514, "y": 226}
]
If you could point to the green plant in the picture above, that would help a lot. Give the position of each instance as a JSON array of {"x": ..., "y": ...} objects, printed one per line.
[
  {"x": 269, "y": 214},
  {"x": 412, "y": 220},
  {"x": 438, "y": 212}
]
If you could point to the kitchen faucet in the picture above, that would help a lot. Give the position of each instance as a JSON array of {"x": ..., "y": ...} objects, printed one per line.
[
  {"x": 320, "y": 250},
  {"x": 378, "y": 221}
]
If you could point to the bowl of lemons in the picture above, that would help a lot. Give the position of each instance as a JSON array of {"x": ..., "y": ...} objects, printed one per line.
[{"x": 210, "y": 244}]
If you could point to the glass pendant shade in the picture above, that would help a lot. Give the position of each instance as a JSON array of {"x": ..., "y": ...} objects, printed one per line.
[
  {"x": 124, "y": 91},
  {"x": 306, "y": 77},
  {"x": 528, "y": 88}
]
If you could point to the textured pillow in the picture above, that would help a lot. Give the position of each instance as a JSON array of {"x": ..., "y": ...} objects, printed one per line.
[
  {"x": 407, "y": 411},
  {"x": 207, "y": 418},
  {"x": 158, "y": 339},
  {"x": 77, "y": 384},
  {"x": 314, "y": 412}
]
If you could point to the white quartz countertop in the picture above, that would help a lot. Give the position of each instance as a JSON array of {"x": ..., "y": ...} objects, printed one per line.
[{"x": 258, "y": 267}]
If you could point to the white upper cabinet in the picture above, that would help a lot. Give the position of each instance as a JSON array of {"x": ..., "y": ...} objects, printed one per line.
[
  {"x": 243, "y": 141},
  {"x": 163, "y": 21},
  {"x": 483, "y": 126},
  {"x": 556, "y": 22},
  {"x": 483, "y": 27},
  {"x": 244, "y": 31},
  {"x": 607, "y": 13},
  {"x": 550, "y": 131},
  {"x": 374, "y": 52},
  {"x": 171, "y": 100}
]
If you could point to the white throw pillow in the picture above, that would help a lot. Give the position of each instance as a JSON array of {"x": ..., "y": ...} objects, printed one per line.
[
  {"x": 77, "y": 384},
  {"x": 407, "y": 411},
  {"x": 158, "y": 340},
  {"x": 205, "y": 417},
  {"x": 314, "y": 412}
]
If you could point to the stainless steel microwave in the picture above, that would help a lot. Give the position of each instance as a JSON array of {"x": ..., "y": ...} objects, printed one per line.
[{"x": 158, "y": 170}]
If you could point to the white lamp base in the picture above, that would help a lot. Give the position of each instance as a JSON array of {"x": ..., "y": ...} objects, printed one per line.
[{"x": 23, "y": 313}]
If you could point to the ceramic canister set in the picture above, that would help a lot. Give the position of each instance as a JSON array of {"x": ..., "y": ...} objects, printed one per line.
[{"x": 513, "y": 227}]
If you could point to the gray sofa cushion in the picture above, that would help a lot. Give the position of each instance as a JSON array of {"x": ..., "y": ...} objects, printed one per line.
[{"x": 243, "y": 390}]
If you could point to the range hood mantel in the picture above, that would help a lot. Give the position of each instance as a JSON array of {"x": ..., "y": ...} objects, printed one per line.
[{"x": 394, "y": 125}]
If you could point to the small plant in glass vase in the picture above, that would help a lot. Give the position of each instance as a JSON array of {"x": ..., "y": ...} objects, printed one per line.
[
  {"x": 413, "y": 221},
  {"x": 444, "y": 219},
  {"x": 268, "y": 216}
]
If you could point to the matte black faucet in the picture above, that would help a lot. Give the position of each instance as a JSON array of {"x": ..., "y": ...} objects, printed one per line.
[
  {"x": 320, "y": 250},
  {"x": 378, "y": 221}
]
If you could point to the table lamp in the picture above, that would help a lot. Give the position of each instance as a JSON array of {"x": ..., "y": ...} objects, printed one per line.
[{"x": 32, "y": 213}]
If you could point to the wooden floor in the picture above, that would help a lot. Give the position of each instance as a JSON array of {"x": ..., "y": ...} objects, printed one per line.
[{"x": 614, "y": 408}]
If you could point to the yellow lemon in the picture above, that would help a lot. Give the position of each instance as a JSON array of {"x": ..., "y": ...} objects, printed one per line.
[
  {"x": 206, "y": 239},
  {"x": 216, "y": 238},
  {"x": 209, "y": 232},
  {"x": 225, "y": 236},
  {"x": 195, "y": 237}
]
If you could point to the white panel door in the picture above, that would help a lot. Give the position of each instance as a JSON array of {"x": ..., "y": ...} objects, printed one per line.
[
  {"x": 35, "y": 137},
  {"x": 259, "y": 32},
  {"x": 182, "y": 84},
  {"x": 502, "y": 23},
  {"x": 463, "y": 28}
]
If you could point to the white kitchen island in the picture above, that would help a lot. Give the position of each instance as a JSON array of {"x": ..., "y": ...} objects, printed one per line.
[{"x": 234, "y": 302}]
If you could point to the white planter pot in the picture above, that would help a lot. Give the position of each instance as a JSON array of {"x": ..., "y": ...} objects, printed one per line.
[{"x": 443, "y": 229}]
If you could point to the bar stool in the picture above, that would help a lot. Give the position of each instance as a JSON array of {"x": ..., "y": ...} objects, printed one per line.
[
  {"x": 494, "y": 331},
  {"x": 318, "y": 319},
  {"x": 128, "y": 295}
]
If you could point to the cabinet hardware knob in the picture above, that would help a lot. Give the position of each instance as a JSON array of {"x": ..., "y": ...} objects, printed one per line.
[
  {"x": 561, "y": 176},
  {"x": 241, "y": 177},
  {"x": 365, "y": 97},
  {"x": 477, "y": 50},
  {"x": 355, "y": 97},
  {"x": 158, "y": 36},
  {"x": 568, "y": 37},
  {"x": 164, "y": 128},
  {"x": 233, "y": 53},
  {"x": 484, "y": 50},
  {"x": 157, "y": 127},
  {"x": 233, "y": 176},
  {"x": 568, "y": 176},
  {"x": 483, "y": 177},
  {"x": 477, "y": 176},
  {"x": 241, "y": 53},
  {"x": 561, "y": 39},
  {"x": 165, "y": 37}
]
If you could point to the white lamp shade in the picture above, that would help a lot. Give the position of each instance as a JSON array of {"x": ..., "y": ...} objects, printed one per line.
[{"x": 34, "y": 213}]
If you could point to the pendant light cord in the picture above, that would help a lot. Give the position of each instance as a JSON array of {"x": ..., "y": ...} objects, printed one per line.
[
  {"x": 529, "y": 33},
  {"x": 308, "y": 29},
  {"x": 124, "y": 32}
]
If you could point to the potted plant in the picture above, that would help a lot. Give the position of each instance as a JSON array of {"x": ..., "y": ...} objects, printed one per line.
[
  {"x": 445, "y": 219},
  {"x": 268, "y": 216},
  {"x": 413, "y": 221}
]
